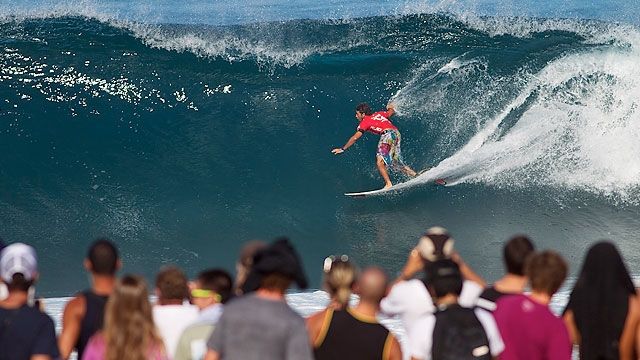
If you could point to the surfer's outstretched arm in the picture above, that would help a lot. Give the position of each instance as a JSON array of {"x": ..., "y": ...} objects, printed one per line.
[
  {"x": 391, "y": 109},
  {"x": 351, "y": 141}
]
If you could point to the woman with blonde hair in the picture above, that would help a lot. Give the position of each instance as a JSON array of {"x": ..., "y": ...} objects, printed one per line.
[
  {"x": 339, "y": 276},
  {"x": 129, "y": 332}
]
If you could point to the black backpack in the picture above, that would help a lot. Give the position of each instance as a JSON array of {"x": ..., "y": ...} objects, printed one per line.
[{"x": 459, "y": 335}]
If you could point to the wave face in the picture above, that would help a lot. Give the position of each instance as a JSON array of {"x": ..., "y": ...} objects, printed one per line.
[{"x": 182, "y": 141}]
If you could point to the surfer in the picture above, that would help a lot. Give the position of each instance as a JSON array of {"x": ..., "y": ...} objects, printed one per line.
[{"x": 388, "y": 154}]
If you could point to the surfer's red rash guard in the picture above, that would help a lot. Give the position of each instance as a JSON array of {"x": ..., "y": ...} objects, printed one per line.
[{"x": 376, "y": 123}]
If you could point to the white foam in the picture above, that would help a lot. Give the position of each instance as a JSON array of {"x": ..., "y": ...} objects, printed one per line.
[{"x": 580, "y": 131}]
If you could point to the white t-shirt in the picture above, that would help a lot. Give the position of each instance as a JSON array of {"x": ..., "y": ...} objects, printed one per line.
[
  {"x": 171, "y": 320},
  {"x": 410, "y": 300},
  {"x": 421, "y": 335}
]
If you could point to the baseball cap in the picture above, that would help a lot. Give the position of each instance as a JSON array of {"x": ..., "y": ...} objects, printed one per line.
[
  {"x": 443, "y": 268},
  {"x": 18, "y": 258},
  {"x": 435, "y": 244}
]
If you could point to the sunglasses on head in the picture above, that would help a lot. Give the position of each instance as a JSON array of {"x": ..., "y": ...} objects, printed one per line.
[
  {"x": 204, "y": 293},
  {"x": 330, "y": 260}
]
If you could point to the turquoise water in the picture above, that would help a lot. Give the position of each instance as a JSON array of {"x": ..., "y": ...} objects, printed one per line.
[{"x": 182, "y": 130}]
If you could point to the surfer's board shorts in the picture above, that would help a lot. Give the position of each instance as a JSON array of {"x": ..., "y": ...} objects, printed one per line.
[{"x": 389, "y": 149}]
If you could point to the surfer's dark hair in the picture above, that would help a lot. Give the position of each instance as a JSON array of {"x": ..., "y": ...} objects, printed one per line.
[{"x": 364, "y": 108}]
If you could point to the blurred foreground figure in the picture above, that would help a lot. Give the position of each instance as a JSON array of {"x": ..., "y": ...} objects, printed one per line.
[
  {"x": 354, "y": 332},
  {"x": 83, "y": 315},
  {"x": 603, "y": 311},
  {"x": 128, "y": 332},
  {"x": 529, "y": 329},
  {"x": 260, "y": 325},
  {"x": 25, "y": 331}
]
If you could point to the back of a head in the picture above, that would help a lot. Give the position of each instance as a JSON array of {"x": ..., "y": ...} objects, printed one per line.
[
  {"x": 443, "y": 278},
  {"x": 275, "y": 267},
  {"x": 364, "y": 108},
  {"x": 602, "y": 266},
  {"x": 340, "y": 276},
  {"x": 245, "y": 262},
  {"x": 128, "y": 317},
  {"x": 103, "y": 257},
  {"x": 515, "y": 254},
  {"x": 546, "y": 271},
  {"x": 218, "y": 281},
  {"x": 18, "y": 267},
  {"x": 372, "y": 285},
  {"x": 172, "y": 284},
  {"x": 600, "y": 299}
]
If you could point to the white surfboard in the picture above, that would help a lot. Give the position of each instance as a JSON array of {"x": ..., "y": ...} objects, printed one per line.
[
  {"x": 382, "y": 191},
  {"x": 369, "y": 193}
]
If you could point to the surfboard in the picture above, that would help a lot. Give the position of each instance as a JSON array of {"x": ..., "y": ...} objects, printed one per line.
[{"x": 382, "y": 191}]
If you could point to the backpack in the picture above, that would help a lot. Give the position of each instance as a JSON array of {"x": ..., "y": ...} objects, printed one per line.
[{"x": 459, "y": 335}]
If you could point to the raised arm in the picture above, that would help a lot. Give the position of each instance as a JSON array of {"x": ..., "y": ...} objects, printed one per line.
[
  {"x": 351, "y": 141},
  {"x": 391, "y": 109}
]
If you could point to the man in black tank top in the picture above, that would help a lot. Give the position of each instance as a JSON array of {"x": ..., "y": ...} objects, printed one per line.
[
  {"x": 83, "y": 315},
  {"x": 355, "y": 333}
]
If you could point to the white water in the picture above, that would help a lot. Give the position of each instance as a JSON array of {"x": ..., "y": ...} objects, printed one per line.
[{"x": 580, "y": 128}]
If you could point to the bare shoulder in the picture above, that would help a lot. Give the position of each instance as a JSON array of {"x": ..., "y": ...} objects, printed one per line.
[
  {"x": 316, "y": 319},
  {"x": 76, "y": 306},
  {"x": 634, "y": 305}
]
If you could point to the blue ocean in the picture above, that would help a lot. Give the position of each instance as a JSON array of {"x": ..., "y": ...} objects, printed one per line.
[{"x": 181, "y": 129}]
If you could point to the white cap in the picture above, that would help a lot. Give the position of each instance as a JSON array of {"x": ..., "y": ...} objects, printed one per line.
[
  {"x": 18, "y": 258},
  {"x": 435, "y": 244}
]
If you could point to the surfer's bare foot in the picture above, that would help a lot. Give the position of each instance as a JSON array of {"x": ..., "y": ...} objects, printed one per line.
[{"x": 387, "y": 185}]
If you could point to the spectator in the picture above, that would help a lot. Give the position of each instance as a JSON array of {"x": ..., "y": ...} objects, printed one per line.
[
  {"x": 211, "y": 289},
  {"x": 603, "y": 310},
  {"x": 515, "y": 253},
  {"x": 244, "y": 263},
  {"x": 25, "y": 331},
  {"x": 453, "y": 332},
  {"x": 529, "y": 329},
  {"x": 340, "y": 276},
  {"x": 261, "y": 325},
  {"x": 128, "y": 332},
  {"x": 409, "y": 297},
  {"x": 355, "y": 333},
  {"x": 171, "y": 314},
  {"x": 83, "y": 315}
]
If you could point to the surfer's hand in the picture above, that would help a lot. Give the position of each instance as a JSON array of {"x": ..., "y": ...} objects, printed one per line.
[{"x": 337, "y": 151}]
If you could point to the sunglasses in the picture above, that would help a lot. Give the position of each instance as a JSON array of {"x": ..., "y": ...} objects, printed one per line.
[
  {"x": 330, "y": 260},
  {"x": 203, "y": 293}
]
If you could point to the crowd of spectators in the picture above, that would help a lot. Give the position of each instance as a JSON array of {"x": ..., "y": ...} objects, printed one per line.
[{"x": 447, "y": 311}]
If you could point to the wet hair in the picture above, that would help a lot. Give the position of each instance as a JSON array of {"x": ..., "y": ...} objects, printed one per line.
[
  {"x": 515, "y": 254},
  {"x": 546, "y": 271},
  {"x": 364, "y": 108},
  {"x": 216, "y": 280},
  {"x": 339, "y": 281},
  {"x": 172, "y": 283},
  {"x": 19, "y": 283},
  {"x": 103, "y": 256}
]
